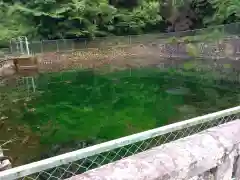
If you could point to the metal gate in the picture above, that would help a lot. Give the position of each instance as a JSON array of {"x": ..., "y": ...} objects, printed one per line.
[{"x": 19, "y": 46}]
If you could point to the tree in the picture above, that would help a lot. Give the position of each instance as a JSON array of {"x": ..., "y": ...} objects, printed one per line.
[
  {"x": 225, "y": 11},
  {"x": 129, "y": 4},
  {"x": 83, "y": 18},
  {"x": 10, "y": 26}
]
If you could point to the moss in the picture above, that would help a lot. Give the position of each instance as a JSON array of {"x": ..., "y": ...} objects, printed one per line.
[
  {"x": 87, "y": 105},
  {"x": 84, "y": 105}
]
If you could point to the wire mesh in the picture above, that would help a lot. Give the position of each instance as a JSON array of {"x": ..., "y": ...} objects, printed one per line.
[
  {"x": 202, "y": 35},
  {"x": 19, "y": 46},
  {"x": 93, "y": 157},
  {"x": 78, "y": 162}
]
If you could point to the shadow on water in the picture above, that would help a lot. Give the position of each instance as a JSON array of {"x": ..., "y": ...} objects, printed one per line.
[{"x": 79, "y": 109}]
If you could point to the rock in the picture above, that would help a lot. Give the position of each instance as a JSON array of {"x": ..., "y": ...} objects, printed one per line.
[
  {"x": 5, "y": 162},
  {"x": 7, "y": 70}
]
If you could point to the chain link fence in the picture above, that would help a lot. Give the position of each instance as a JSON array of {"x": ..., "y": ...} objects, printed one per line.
[
  {"x": 168, "y": 45},
  {"x": 76, "y": 162},
  {"x": 200, "y": 35}
]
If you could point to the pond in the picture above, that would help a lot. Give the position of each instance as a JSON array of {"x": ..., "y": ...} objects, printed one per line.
[{"x": 80, "y": 108}]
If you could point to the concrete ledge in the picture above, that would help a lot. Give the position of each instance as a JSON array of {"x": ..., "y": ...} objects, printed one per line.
[{"x": 181, "y": 159}]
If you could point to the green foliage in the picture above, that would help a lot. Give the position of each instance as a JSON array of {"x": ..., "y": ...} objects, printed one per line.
[
  {"x": 76, "y": 18},
  {"x": 172, "y": 39},
  {"x": 192, "y": 50},
  {"x": 10, "y": 26},
  {"x": 95, "y": 105},
  {"x": 138, "y": 19},
  {"x": 204, "y": 36},
  {"x": 225, "y": 11},
  {"x": 83, "y": 18},
  {"x": 9, "y": 106}
]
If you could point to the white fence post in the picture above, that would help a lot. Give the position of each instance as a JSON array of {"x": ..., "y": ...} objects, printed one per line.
[
  {"x": 21, "y": 45},
  {"x": 41, "y": 46},
  {"x": 57, "y": 45},
  {"x": 73, "y": 45},
  {"x": 27, "y": 47}
]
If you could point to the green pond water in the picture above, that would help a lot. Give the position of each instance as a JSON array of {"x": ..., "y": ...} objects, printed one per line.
[{"x": 80, "y": 106}]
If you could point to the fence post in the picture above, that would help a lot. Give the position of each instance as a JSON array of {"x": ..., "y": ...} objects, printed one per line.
[
  {"x": 56, "y": 41},
  {"x": 65, "y": 44},
  {"x": 129, "y": 40},
  {"x": 41, "y": 46},
  {"x": 73, "y": 47},
  {"x": 11, "y": 48},
  {"x": 27, "y": 47},
  {"x": 21, "y": 45}
]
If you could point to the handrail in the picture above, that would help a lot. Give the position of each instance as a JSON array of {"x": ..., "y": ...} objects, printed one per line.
[
  {"x": 210, "y": 153},
  {"x": 42, "y": 165}
]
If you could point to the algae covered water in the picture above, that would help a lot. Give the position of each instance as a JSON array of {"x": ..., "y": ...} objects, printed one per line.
[{"x": 85, "y": 106}]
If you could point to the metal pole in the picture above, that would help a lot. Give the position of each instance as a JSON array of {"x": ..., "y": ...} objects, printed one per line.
[
  {"x": 57, "y": 45},
  {"x": 27, "y": 48},
  {"x": 11, "y": 50},
  {"x": 41, "y": 46},
  {"x": 33, "y": 84},
  {"x": 65, "y": 44},
  {"x": 17, "y": 47},
  {"x": 129, "y": 40},
  {"x": 21, "y": 45},
  {"x": 73, "y": 47},
  {"x": 27, "y": 85}
]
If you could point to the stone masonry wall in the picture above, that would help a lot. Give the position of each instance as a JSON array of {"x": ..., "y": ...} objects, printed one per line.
[{"x": 212, "y": 154}]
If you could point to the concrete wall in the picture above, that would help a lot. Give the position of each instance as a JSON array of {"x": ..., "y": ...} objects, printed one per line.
[{"x": 212, "y": 154}]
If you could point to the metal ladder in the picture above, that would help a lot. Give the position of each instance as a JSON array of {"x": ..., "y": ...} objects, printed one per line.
[{"x": 20, "y": 46}]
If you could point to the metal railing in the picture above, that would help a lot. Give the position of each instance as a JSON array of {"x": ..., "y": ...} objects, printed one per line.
[
  {"x": 77, "y": 162},
  {"x": 210, "y": 155}
]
